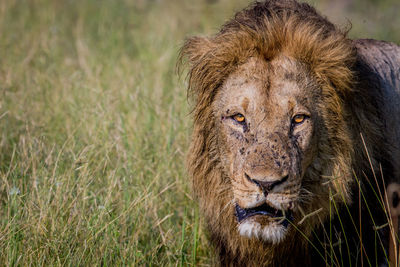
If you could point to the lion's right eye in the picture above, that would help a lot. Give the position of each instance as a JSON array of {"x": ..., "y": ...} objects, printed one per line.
[
  {"x": 238, "y": 118},
  {"x": 299, "y": 118}
]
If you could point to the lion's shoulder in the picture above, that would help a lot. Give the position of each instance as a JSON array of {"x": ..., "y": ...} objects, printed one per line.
[
  {"x": 378, "y": 68},
  {"x": 383, "y": 58}
]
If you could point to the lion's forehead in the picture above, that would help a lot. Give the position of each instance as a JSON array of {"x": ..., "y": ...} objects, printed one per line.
[{"x": 266, "y": 87}]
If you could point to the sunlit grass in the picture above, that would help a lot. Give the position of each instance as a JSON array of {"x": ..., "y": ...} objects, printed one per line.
[{"x": 94, "y": 127}]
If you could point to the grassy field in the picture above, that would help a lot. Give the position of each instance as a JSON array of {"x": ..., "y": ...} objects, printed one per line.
[{"x": 95, "y": 123}]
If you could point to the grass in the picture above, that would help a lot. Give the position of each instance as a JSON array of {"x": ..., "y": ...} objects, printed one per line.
[{"x": 95, "y": 123}]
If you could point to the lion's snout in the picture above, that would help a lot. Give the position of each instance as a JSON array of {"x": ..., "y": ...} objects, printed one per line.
[
  {"x": 267, "y": 164},
  {"x": 266, "y": 184}
]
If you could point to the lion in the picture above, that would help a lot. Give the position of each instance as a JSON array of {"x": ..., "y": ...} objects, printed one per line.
[{"x": 296, "y": 133}]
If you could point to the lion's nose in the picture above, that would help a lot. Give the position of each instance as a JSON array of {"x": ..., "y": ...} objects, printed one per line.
[{"x": 267, "y": 186}]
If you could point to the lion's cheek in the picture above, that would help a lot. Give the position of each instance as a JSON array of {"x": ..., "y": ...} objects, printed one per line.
[
  {"x": 307, "y": 146},
  {"x": 245, "y": 192}
]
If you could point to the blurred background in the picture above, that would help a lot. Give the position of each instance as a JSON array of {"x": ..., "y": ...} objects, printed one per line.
[{"x": 95, "y": 123}]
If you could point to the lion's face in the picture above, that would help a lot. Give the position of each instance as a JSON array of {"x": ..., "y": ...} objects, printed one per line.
[{"x": 266, "y": 118}]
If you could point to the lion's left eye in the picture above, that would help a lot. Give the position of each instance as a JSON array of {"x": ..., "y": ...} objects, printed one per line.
[{"x": 299, "y": 118}]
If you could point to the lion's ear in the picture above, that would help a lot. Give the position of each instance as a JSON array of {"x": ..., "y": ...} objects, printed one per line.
[
  {"x": 194, "y": 49},
  {"x": 197, "y": 54}
]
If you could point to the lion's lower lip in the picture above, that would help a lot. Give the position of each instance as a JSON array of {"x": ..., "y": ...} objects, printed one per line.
[{"x": 266, "y": 210}]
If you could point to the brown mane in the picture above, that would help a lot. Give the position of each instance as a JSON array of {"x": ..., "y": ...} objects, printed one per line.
[{"x": 268, "y": 29}]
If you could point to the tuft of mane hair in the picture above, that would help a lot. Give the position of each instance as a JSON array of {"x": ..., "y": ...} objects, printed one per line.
[{"x": 361, "y": 87}]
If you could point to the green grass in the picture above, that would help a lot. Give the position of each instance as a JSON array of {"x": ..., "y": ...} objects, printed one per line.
[{"x": 95, "y": 124}]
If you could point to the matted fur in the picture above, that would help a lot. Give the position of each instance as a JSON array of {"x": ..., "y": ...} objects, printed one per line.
[{"x": 267, "y": 30}]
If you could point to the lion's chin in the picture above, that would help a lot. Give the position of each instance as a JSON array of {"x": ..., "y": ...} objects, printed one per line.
[
  {"x": 273, "y": 232},
  {"x": 263, "y": 222}
]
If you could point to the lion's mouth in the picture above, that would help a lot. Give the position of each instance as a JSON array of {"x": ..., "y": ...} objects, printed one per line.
[{"x": 265, "y": 210}]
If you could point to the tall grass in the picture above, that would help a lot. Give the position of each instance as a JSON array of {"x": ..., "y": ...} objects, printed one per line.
[{"x": 94, "y": 125}]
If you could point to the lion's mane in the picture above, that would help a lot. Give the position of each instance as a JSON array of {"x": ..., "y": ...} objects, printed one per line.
[{"x": 268, "y": 29}]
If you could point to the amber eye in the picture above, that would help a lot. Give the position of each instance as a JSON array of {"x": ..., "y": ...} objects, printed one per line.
[
  {"x": 239, "y": 118},
  {"x": 298, "y": 118}
]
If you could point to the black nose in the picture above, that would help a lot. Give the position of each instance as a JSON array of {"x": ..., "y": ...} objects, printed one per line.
[{"x": 266, "y": 186}]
